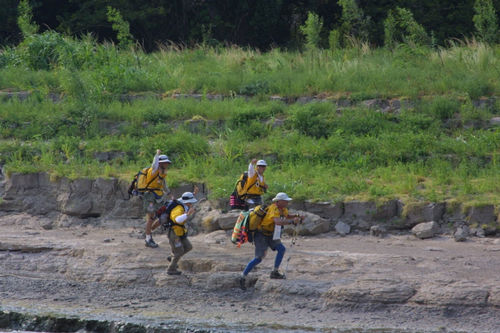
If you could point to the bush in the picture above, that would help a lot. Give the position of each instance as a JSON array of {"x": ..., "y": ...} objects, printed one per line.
[
  {"x": 313, "y": 120},
  {"x": 401, "y": 27}
]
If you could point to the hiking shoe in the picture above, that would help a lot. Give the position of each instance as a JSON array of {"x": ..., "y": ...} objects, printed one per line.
[
  {"x": 242, "y": 283},
  {"x": 151, "y": 243},
  {"x": 174, "y": 272},
  {"x": 277, "y": 275}
]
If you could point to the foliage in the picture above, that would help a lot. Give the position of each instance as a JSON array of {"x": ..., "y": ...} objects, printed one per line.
[
  {"x": 312, "y": 30},
  {"x": 400, "y": 27},
  {"x": 354, "y": 23},
  {"x": 120, "y": 26},
  {"x": 485, "y": 21},
  {"x": 25, "y": 19}
]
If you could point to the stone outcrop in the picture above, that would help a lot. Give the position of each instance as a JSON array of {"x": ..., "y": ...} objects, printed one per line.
[{"x": 106, "y": 201}]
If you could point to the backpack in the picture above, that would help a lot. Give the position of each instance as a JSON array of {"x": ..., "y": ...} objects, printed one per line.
[
  {"x": 256, "y": 216},
  {"x": 164, "y": 213},
  {"x": 139, "y": 184},
  {"x": 237, "y": 198},
  {"x": 246, "y": 224},
  {"x": 240, "y": 230}
]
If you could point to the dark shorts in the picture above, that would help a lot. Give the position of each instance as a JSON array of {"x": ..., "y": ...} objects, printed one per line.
[
  {"x": 151, "y": 201},
  {"x": 262, "y": 242}
]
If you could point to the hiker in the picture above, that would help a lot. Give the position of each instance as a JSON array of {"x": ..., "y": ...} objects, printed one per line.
[
  {"x": 268, "y": 235},
  {"x": 176, "y": 214},
  {"x": 153, "y": 198},
  {"x": 255, "y": 186}
]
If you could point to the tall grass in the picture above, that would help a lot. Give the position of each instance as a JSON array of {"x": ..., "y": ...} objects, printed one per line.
[{"x": 43, "y": 62}]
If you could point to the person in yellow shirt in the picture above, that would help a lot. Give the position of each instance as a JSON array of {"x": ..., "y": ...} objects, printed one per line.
[
  {"x": 268, "y": 235},
  {"x": 154, "y": 196},
  {"x": 177, "y": 231},
  {"x": 255, "y": 186}
]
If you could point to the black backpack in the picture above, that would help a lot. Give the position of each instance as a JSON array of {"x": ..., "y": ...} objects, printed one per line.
[{"x": 166, "y": 209}]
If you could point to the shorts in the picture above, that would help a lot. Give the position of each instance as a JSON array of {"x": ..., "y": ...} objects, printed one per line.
[
  {"x": 262, "y": 242},
  {"x": 151, "y": 202}
]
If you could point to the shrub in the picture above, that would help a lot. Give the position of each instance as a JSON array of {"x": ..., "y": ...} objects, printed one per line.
[
  {"x": 24, "y": 19},
  {"x": 354, "y": 23},
  {"x": 401, "y": 27},
  {"x": 313, "y": 120},
  {"x": 485, "y": 21},
  {"x": 312, "y": 30}
]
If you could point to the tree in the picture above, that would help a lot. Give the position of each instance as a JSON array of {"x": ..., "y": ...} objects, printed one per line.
[
  {"x": 354, "y": 22},
  {"x": 401, "y": 27},
  {"x": 485, "y": 21},
  {"x": 121, "y": 27},
  {"x": 25, "y": 19},
  {"x": 312, "y": 30}
]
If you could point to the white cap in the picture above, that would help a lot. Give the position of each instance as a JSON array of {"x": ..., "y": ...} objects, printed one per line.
[
  {"x": 163, "y": 159},
  {"x": 187, "y": 197},
  {"x": 261, "y": 163},
  {"x": 281, "y": 196}
]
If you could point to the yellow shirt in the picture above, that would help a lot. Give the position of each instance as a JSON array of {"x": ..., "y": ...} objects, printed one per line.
[
  {"x": 267, "y": 224},
  {"x": 257, "y": 187},
  {"x": 156, "y": 181},
  {"x": 179, "y": 228}
]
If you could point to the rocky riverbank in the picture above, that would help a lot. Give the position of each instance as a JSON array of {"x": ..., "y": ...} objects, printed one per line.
[
  {"x": 73, "y": 252},
  {"x": 353, "y": 282}
]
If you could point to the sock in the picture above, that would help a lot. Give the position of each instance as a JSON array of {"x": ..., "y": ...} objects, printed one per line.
[{"x": 148, "y": 238}]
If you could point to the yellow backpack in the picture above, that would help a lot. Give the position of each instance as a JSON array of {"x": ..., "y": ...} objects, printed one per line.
[
  {"x": 256, "y": 217},
  {"x": 139, "y": 183}
]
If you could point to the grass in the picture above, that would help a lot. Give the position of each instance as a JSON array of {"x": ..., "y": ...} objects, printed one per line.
[
  {"x": 318, "y": 153},
  {"x": 437, "y": 149},
  {"x": 49, "y": 61}
]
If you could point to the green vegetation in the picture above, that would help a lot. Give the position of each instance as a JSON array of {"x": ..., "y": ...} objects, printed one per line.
[
  {"x": 437, "y": 146},
  {"x": 317, "y": 152}
]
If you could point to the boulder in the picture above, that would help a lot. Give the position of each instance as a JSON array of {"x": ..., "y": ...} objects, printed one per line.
[
  {"x": 425, "y": 230},
  {"x": 378, "y": 231},
  {"x": 461, "y": 234},
  {"x": 416, "y": 213},
  {"x": 342, "y": 228},
  {"x": 226, "y": 221},
  {"x": 311, "y": 225},
  {"x": 210, "y": 221}
]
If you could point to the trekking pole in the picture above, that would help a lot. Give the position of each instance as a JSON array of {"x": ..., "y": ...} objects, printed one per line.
[{"x": 292, "y": 243}]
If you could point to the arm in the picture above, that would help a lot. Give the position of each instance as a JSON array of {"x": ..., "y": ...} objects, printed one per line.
[
  {"x": 155, "y": 165},
  {"x": 251, "y": 168}
]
